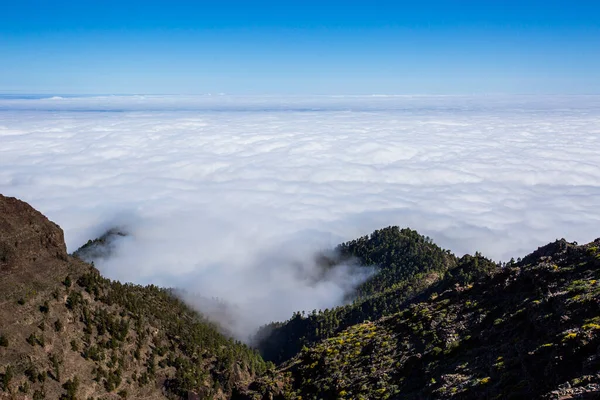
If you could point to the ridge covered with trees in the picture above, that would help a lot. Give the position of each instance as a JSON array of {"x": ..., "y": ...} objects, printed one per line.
[
  {"x": 406, "y": 263},
  {"x": 426, "y": 325},
  {"x": 524, "y": 330}
]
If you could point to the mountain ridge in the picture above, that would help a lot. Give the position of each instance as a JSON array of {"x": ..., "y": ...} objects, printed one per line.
[
  {"x": 428, "y": 325},
  {"x": 528, "y": 329},
  {"x": 66, "y": 332}
]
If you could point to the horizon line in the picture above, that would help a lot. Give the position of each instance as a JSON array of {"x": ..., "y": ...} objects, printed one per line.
[{"x": 59, "y": 94}]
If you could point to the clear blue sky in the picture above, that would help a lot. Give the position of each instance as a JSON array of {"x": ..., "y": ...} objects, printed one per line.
[{"x": 299, "y": 47}]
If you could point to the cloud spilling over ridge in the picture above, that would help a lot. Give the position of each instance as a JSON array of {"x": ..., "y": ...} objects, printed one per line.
[{"x": 231, "y": 196}]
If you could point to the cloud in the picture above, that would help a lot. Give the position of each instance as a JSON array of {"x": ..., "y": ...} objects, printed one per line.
[{"x": 231, "y": 197}]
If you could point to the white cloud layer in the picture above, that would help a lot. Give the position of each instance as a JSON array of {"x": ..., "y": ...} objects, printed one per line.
[{"x": 227, "y": 196}]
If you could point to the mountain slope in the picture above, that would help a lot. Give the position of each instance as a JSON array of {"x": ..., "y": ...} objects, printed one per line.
[
  {"x": 67, "y": 332},
  {"x": 427, "y": 326},
  {"x": 527, "y": 330},
  {"x": 406, "y": 262}
]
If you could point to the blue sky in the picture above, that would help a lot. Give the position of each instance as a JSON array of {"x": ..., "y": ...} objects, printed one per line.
[{"x": 300, "y": 47}]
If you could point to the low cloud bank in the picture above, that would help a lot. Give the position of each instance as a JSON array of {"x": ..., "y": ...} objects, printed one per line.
[{"x": 231, "y": 197}]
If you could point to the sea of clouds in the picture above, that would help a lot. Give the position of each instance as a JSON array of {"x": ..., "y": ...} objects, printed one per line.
[{"x": 230, "y": 197}]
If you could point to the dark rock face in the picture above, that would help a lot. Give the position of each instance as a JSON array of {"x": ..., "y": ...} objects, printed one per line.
[{"x": 27, "y": 238}]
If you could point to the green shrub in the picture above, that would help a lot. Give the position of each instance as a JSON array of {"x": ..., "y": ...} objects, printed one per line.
[
  {"x": 31, "y": 339},
  {"x": 7, "y": 377},
  {"x": 45, "y": 307},
  {"x": 71, "y": 387},
  {"x": 58, "y": 325}
]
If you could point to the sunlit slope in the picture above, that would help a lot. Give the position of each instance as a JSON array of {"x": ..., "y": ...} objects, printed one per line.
[
  {"x": 530, "y": 329},
  {"x": 67, "y": 331}
]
